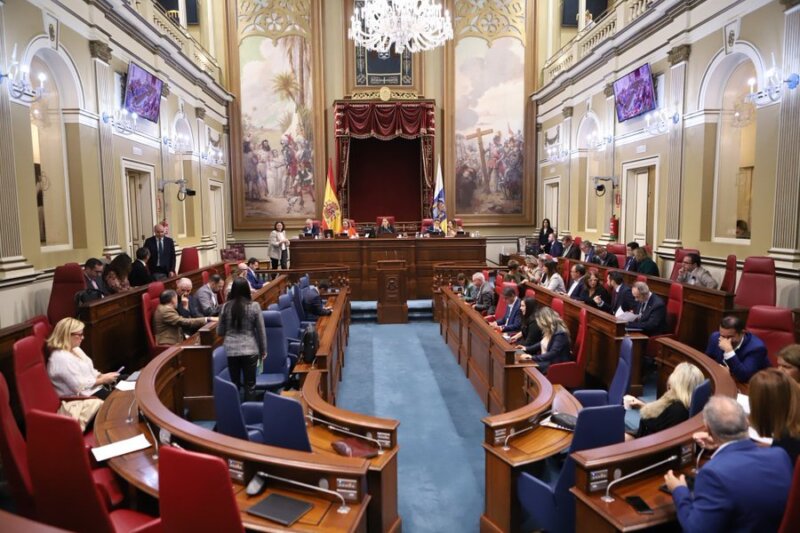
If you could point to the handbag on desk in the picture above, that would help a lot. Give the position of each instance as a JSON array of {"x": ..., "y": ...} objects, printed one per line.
[{"x": 353, "y": 447}]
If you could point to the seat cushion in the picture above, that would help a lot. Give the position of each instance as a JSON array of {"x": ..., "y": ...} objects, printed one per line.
[
  {"x": 270, "y": 380},
  {"x": 125, "y": 520},
  {"x": 104, "y": 478},
  {"x": 255, "y": 434}
]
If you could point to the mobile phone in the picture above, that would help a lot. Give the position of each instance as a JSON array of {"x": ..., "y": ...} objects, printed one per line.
[
  {"x": 121, "y": 369},
  {"x": 639, "y": 504}
]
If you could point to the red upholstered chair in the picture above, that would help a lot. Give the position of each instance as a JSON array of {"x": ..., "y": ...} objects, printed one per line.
[
  {"x": 190, "y": 260},
  {"x": 426, "y": 224},
  {"x": 680, "y": 253},
  {"x": 674, "y": 313},
  {"x": 774, "y": 326},
  {"x": 530, "y": 293},
  {"x": 204, "y": 275},
  {"x": 228, "y": 269},
  {"x": 459, "y": 222},
  {"x": 571, "y": 373},
  {"x": 557, "y": 305},
  {"x": 620, "y": 251},
  {"x": 565, "y": 268},
  {"x": 642, "y": 278},
  {"x": 578, "y": 241},
  {"x": 67, "y": 280},
  {"x": 155, "y": 288},
  {"x": 64, "y": 489},
  {"x": 13, "y": 454},
  {"x": 379, "y": 220},
  {"x": 500, "y": 308},
  {"x": 41, "y": 326},
  {"x": 149, "y": 306},
  {"x": 791, "y": 515},
  {"x": 195, "y": 493},
  {"x": 729, "y": 279},
  {"x": 317, "y": 224},
  {"x": 757, "y": 285}
]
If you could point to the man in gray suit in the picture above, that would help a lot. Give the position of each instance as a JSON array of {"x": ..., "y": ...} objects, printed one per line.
[
  {"x": 484, "y": 299},
  {"x": 692, "y": 273},
  {"x": 206, "y": 296}
]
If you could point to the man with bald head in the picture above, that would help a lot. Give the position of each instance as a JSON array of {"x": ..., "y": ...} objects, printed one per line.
[
  {"x": 162, "y": 253},
  {"x": 744, "y": 487},
  {"x": 187, "y": 304}
]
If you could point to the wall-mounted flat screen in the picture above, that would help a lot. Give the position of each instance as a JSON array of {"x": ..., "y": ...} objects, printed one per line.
[
  {"x": 142, "y": 93},
  {"x": 634, "y": 94}
]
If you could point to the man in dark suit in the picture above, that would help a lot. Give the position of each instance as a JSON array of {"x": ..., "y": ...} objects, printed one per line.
[
  {"x": 630, "y": 260},
  {"x": 93, "y": 274},
  {"x": 187, "y": 304},
  {"x": 603, "y": 258},
  {"x": 252, "y": 278},
  {"x": 512, "y": 320},
  {"x": 744, "y": 487},
  {"x": 577, "y": 289},
  {"x": 651, "y": 310},
  {"x": 169, "y": 327},
  {"x": 588, "y": 252},
  {"x": 312, "y": 300},
  {"x": 310, "y": 230},
  {"x": 162, "y": 254},
  {"x": 556, "y": 248},
  {"x": 742, "y": 352},
  {"x": 206, "y": 296},
  {"x": 621, "y": 295},
  {"x": 484, "y": 299},
  {"x": 140, "y": 274},
  {"x": 571, "y": 250}
]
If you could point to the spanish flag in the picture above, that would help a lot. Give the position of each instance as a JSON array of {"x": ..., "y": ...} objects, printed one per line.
[{"x": 331, "y": 211}]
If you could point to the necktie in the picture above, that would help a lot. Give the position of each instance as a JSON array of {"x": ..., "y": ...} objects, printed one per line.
[{"x": 160, "y": 252}]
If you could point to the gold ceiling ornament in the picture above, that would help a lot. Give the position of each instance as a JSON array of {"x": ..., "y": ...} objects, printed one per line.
[
  {"x": 490, "y": 19},
  {"x": 274, "y": 19}
]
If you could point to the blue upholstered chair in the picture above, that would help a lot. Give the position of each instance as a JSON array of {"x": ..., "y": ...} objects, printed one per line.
[
  {"x": 284, "y": 423},
  {"x": 291, "y": 324},
  {"x": 297, "y": 293},
  {"x": 275, "y": 373},
  {"x": 549, "y": 504},
  {"x": 236, "y": 419},
  {"x": 700, "y": 397},
  {"x": 619, "y": 384},
  {"x": 219, "y": 363},
  {"x": 304, "y": 282}
]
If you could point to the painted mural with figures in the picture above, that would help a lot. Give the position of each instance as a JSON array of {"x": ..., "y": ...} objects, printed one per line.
[{"x": 275, "y": 59}]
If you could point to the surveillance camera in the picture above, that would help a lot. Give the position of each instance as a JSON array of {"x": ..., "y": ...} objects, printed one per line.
[
  {"x": 191, "y": 192},
  {"x": 600, "y": 187}
]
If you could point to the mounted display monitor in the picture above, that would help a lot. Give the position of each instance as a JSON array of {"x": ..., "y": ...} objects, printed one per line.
[
  {"x": 634, "y": 93},
  {"x": 142, "y": 93}
]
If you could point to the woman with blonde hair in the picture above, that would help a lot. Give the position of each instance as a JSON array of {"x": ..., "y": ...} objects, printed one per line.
[
  {"x": 70, "y": 369},
  {"x": 789, "y": 361},
  {"x": 673, "y": 406},
  {"x": 348, "y": 228},
  {"x": 555, "y": 344},
  {"x": 644, "y": 264},
  {"x": 775, "y": 409}
]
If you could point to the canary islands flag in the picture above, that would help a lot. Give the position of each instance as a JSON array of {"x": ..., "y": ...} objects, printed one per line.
[
  {"x": 331, "y": 211},
  {"x": 439, "y": 211}
]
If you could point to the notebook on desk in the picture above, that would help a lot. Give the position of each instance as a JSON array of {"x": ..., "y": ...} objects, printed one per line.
[{"x": 280, "y": 509}]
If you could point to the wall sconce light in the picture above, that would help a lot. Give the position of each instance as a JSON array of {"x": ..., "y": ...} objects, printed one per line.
[
  {"x": 599, "y": 142},
  {"x": 19, "y": 82},
  {"x": 122, "y": 121},
  {"x": 557, "y": 153},
  {"x": 661, "y": 121},
  {"x": 212, "y": 156},
  {"x": 774, "y": 82},
  {"x": 179, "y": 144}
]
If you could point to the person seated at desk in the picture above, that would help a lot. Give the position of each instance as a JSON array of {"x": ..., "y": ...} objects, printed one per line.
[
  {"x": 510, "y": 322},
  {"x": 534, "y": 269},
  {"x": 603, "y": 258},
  {"x": 789, "y": 361},
  {"x": 434, "y": 229},
  {"x": 463, "y": 286},
  {"x": 70, "y": 369},
  {"x": 577, "y": 288},
  {"x": 529, "y": 334},
  {"x": 555, "y": 344},
  {"x": 595, "y": 294},
  {"x": 587, "y": 251},
  {"x": 673, "y": 406},
  {"x": 239, "y": 273},
  {"x": 630, "y": 259},
  {"x": 556, "y": 248},
  {"x": 775, "y": 410},
  {"x": 651, "y": 311},
  {"x": 385, "y": 228},
  {"x": 692, "y": 273},
  {"x": 312, "y": 300},
  {"x": 140, "y": 273},
  {"x": 514, "y": 274},
  {"x": 741, "y": 351},
  {"x": 310, "y": 230},
  {"x": 571, "y": 250},
  {"x": 187, "y": 303},
  {"x": 552, "y": 280},
  {"x": 252, "y": 277},
  {"x": 452, "y": 231},
  {"x": 645, "y": 265},
  {"x": 93, "y": 275},
  {"x": 206, "y": 296},
  {"x": 169, "y": 327},
  {"x": 743, "y": 487},
  {"x": 621, "y": 295},
  {"x": 115, "y": 274},
  {"x": 484, "y": 297},
  {"x": 348, "y": 229}
]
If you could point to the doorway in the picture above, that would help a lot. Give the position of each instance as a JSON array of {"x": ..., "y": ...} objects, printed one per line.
[
  {"x": 638, "y": 199},
  {"x": 551, "y": 198},
  {"x": 139, "y": 203},
  {"x": 217, "y": 229}
]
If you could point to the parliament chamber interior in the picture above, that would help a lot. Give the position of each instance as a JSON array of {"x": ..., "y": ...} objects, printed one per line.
[{"x": 399, "y": 265}]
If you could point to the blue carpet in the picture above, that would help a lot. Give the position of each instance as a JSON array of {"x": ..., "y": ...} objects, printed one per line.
[{"x": 406, "y": 372}]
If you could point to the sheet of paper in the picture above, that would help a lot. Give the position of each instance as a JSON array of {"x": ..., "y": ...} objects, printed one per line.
[
  {"x": 126, "y": 386},
  {"x": 626, "y": 316},
  {"x": 115, "y": 449},
  {"x": 744, "y": 401}
]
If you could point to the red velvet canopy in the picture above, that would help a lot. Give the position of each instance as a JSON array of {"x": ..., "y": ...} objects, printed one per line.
[{"x": 385, "y": 121}]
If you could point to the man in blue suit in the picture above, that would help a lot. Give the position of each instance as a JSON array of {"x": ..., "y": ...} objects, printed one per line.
[
  {"x": 162, "y": 253},
  {"x": 310, "y": 230},
  {"x": 651, "y": 310},
  {"x": 577, "y": 289},
  {"x": 252, "y": 278},
  {"x": 512, "y": 320},
  {"x": 742, "y": 352},
  {"x": 556, "y": 248},
  {"x": 312, "y": 301},
  {"x": 744, "y": 487},
  {"x": 621, "y": 295},
  {"x": 630, "y": 260}
]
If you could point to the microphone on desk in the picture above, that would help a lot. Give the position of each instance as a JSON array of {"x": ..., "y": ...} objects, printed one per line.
[
  {"x": 534, "y": 424},
  {"x": 129, "y": 420},
  {"x": 608, "y": 498},
  {"x": 153, "y": 435},
  {"x": 256, "y": 485},
  {"x": 333, "y": 427}
]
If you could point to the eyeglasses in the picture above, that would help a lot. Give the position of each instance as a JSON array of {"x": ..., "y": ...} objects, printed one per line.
[{"x": 78, "y": 334}]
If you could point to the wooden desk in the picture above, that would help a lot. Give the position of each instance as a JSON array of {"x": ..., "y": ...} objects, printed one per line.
[
  {"x": 502, "y": 510},
  {"x": 594, "y": 468},
  {"x": 487, "y": 358},
  {"x": 604, "y": 335},
  {"x": 445, "y": 274},
  {"x": 362, "y": 255}
]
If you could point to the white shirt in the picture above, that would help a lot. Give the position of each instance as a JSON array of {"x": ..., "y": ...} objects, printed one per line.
[{"x": 72, "y": 373}]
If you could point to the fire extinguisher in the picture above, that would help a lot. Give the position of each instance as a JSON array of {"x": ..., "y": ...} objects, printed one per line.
[{"x": 613, "y": 226}]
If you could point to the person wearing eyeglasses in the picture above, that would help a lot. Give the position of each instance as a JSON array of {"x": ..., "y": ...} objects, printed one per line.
[
  {"x": 741, "y": 351},
  {"x": 692, "y": 273},
  {"x": 93, "y": 274},
  {"x": 70, "y": 369}
]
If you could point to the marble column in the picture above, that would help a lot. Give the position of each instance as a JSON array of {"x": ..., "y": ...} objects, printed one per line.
[
  {"x": 678, "y": 59},
  {"x": 104, "y": 79},
  {"x": 12, "y": 263},
  {"x": 228, "y": 189},
  {"x": 205, "y": 210},
  {"x": 566, "y": 136},
  {"x": 786, "y": 225}
]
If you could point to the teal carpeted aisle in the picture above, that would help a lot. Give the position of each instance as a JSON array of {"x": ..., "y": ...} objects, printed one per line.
[{"x": 407, "y": 372}]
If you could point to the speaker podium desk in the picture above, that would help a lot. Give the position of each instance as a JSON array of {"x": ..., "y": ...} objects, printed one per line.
[{"x": 392, "y": 292}]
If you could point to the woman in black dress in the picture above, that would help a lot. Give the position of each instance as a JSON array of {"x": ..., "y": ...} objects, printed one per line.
[
  {"x": 775, "y": 409},
  {"x": 555, "y": 344},
  {"x": 529, "y": 334},
  {"x": 596, "y": 294},
  {"x": 544, "y": 244}
]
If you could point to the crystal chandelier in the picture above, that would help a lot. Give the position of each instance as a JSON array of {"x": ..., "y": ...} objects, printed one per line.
[{"x": 413, "y": 25}]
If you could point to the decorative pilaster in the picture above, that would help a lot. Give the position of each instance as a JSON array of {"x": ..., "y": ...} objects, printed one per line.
[
  {"x": 202, "y": 133},
  {"x": 786, "y": 224},
  {"x": 12, "y": 262},
  {"x": 104, "y": 78},
  {"x": 608, "y": 199},
  {"x": 564, "y": 211},
  {"x": 678, "y": 58}
]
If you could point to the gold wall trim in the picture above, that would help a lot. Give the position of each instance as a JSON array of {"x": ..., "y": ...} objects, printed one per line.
[{"x": 490, "y": 20}]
